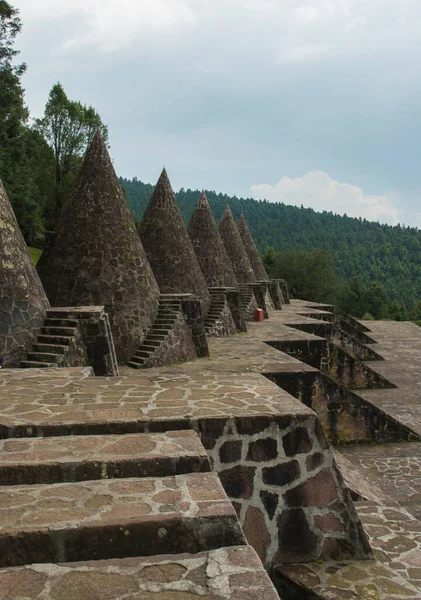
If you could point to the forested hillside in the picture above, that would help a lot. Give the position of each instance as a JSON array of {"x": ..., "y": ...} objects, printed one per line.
[{"x": 374, "y": 252}]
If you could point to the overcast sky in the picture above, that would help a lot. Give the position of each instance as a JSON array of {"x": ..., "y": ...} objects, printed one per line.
[{"x": 312, "y": 102}]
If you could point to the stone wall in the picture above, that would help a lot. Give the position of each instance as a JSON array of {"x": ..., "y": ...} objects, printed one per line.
[
  {"x": 284, "y": 484},
  {"x": 276, "y": 294},
  {"x": 340, "y": 337},
  {"x": 97, "y": 338},
  {"x": 193, "y": 316},
  {"x": 333, "y": 361},
  {"x": 23, "y": 302},
  {"x": 346, "y": 418},
  {"x": 234, "y": 302},
  {"x": 224, "y": 325},
  {"x": 177, "y": 347}
]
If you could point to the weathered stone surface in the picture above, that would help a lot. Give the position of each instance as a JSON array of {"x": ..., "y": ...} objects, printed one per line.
[
  {"x": 23, "y": 302},
  {"x": 79, "y": 458},
  {"x": 270, "y": 502},
  {"x": 115, "y": 518},
  {"x": 319, "y": 490},
  {"x": 96, "y": 256},
  {"x": 208, "y": 246},
  {"x": 232, "y": 573},
  {"x": 281, "y": 474},
  {"x": 238, "y": 481},
  {"x": 263, "y": 450},
  {"x": 389, "y": 576},
  {"x": 297, "y": 540},
  {"x": 252, "y": 251},
  {"x": 256, "y": 532},
  {"x": 297, "y": 442},
  {"x": 230, "y": 451},
  {"x": 168, "y": 247},
  {"x": 235, "y": 249}
]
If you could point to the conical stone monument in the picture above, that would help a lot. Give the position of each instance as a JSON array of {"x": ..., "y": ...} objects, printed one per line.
[
  {"x": 168, "y": 247},
  {"x": 96, "y": 256},
  {"x": 23, "y": 302},
  {"x": 209, "y": 248},
  {"x": 252, "y": 251},
  {"x": 235, "y": 249}
]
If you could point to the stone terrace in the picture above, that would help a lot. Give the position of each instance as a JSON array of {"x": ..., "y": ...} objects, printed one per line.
[{"x": 267, "y": 447}]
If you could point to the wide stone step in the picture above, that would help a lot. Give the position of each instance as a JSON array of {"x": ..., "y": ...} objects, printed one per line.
[
  {"x": 237, "y": 568},
  {"x": 134, "y": 365},
  {"x": 160, "y": 330},
  {"x": 53, "y": 322},
  {"x": 51, "y": 348},
  {"x": 165, "y": 321},
  {"x": 47, "y": 357},
  {"x": 35, "y": 364},
  {"x": 139, "y": 360},
  {"x": 147, "y": 348},
  {"x": 112, "y": 518},
  {"x": 68, "y": 331},
  {"x": 61, "y": 340},
  {"x": 81, "y": 458},
  {"x": 144, "y": 354},
  {"x": 151, "y": 341}
]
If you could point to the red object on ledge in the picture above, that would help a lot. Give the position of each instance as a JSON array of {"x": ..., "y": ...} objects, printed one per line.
[{"x": 258, "y": 314}]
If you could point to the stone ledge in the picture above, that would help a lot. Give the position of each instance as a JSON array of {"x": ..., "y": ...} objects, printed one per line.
[
  {"x": 81, "y": 458},
  {"x": 115, "y": 518},
  {"x": 233, "y": 573}
]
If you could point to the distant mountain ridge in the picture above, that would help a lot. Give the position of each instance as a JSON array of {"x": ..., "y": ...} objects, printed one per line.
[{"x": 373, "y": 251}]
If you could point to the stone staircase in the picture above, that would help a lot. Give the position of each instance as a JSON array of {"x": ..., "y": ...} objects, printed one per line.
[
  {"x": 248, "y": 301},
  {"x": 120, "y": 515},
  {"x": 58, "y": 345},
  {"x": 218, "y": 303},
  {"x": 168, "y": 314}
]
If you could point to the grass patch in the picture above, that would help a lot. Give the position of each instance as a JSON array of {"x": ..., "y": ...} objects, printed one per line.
[{"x": 35, "y": 254}]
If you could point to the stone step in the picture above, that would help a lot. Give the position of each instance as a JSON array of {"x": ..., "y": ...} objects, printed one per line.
[
  {"x": 111, "y": 518},
  {"x": 140, "y": 360},
  {"x": 152, "y": 341},
  {"x": 61, "y": 340},
  {"x": 53, "y": 348},
  {"x": 147, "y": 348},
  {"x": 160, "y": 330},
  {"x": 237, "y": 567},
  {"x": 167, "y": 321},
  {"x": 54, "y": 322},
  {"x": 46, "y": 357},
  {"x": 134, "y": 365},
  {"x": 144, "y": 353},
  {"x": 68, "y": 331},
  {"x": 34, "y": 364},
  {"x": 80, "y": 458}
]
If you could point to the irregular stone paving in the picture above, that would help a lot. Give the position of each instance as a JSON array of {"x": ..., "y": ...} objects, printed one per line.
[
  {"x": 77, "y": 458},
  {"x": 100, "y": 403},
  {"x": 126, "y": 517},
  {"x": 394, "y": 468},
  {"x": 400, "y": 345},
  {"x": 233, "y": 573},
  {"x": 395, "y": 573}
]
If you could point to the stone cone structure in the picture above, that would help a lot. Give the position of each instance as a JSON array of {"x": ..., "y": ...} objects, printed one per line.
[
  {"x": 210, "y": 250},
  {"x": 235, "y": 249},
  {"x": 23, "y": 302},
  {"x": 168, "y": 247},
  {"x": 96, "y": 256},
  {"x": 252, "y": 251}
]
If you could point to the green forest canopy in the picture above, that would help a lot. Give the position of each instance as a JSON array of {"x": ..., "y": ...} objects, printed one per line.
[{"x": 374, "y": 252}]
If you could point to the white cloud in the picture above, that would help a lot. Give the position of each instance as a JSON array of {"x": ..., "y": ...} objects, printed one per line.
[
  {"x": 108, "y": 25},
  {"x": 317, "y": 190}
]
